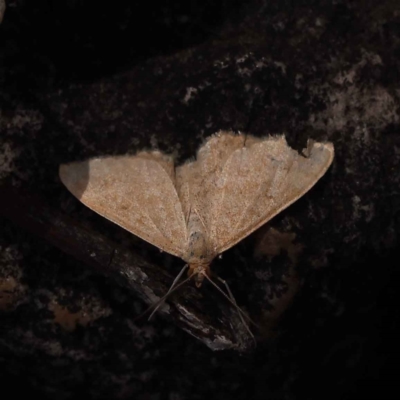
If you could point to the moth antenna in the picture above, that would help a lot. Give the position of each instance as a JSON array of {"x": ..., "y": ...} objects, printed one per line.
[
  {"x": 162, "y": 300},
  {"x": 232, "y": 300}
]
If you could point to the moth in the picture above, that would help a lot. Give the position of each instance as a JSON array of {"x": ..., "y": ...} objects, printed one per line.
[{"x": 198, "y": 210}]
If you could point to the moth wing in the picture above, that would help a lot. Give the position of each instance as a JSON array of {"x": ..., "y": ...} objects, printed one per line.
[
  {"x": 257, "y": 182},
  {"x": 136, "y": 192},
  {"x": 196, "y": 180}
]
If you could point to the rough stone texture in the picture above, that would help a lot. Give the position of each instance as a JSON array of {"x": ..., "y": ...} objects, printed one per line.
[{"x": 319, "y": 279}]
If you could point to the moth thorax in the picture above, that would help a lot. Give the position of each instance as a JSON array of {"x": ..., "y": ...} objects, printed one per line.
[
  {"x": 197, "y": 252},
  {"x": 199, "y": 271}
]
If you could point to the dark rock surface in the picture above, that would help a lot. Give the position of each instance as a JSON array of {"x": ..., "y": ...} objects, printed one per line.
[{"x": 82, "y": 79}]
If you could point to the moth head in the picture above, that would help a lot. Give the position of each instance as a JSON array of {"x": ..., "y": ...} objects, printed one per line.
[{"x": 199, "y": 272}]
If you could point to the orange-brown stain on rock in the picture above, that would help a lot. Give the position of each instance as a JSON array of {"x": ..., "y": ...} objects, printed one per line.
[
  {"x": 271, "y": 243},
  {"x": 69, "y": 320},
  {"x": 10, "y": 292}
]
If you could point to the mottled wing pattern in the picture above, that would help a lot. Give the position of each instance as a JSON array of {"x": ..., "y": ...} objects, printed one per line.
[
  {"x": 136, "y": 192},
  {"x": 256, "y": 182}
]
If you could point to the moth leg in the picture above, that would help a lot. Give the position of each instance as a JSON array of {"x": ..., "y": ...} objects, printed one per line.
[
  {"x": 169, "y": 290},
  {"x": 230, "y": 294}
]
